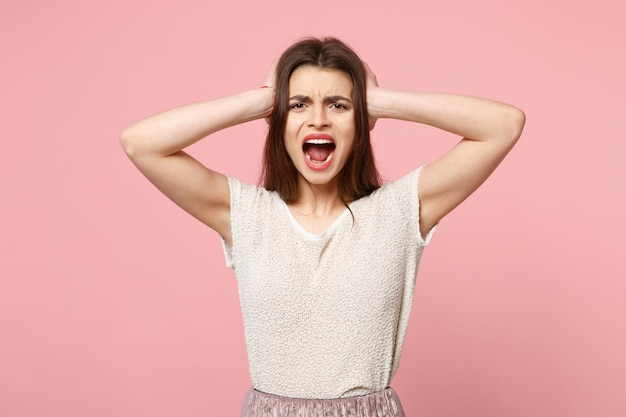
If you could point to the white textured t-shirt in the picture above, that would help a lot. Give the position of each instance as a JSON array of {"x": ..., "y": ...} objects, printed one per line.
[{"x": 325, "y": 315}]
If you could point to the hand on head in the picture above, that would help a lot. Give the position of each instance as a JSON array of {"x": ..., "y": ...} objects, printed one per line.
[
  {"x": 270, "y": 82},
  {"x": 371, "y": 83}
]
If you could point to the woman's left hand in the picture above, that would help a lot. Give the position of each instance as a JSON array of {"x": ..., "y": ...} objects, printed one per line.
[{"x": 372, "y": 85}]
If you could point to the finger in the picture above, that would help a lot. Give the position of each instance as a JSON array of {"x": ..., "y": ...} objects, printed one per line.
[
  {"x": 370, "y": 76},
  {"x": 270, "y": 76}
]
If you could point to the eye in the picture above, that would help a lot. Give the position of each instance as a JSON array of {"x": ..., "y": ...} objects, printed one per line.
[
  {"x": 339, "y": 106},
  {"x": 297, "y": 106}
]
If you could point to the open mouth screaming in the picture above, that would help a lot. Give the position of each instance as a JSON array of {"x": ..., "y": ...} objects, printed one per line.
[{"x": 318, "y": 151}]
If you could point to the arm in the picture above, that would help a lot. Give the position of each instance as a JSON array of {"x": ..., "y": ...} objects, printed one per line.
[
  {"x": 489, "y": 130},
  {"x": 155, "y": 146}
]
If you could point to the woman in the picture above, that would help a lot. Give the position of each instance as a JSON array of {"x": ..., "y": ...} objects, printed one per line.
[{"x": 325, "y": 257}]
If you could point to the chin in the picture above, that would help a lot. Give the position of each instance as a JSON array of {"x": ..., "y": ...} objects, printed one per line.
[{"x": 319, "y": 179}]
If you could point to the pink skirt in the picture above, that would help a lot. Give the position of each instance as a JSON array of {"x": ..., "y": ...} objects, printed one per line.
[{"x": 383, "y": 403}]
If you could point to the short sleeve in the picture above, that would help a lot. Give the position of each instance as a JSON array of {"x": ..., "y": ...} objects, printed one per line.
[
  {"x": 234, "y": 186},
  {"x": 425, "y": 239},
  {"x": 405, "y": 192}
]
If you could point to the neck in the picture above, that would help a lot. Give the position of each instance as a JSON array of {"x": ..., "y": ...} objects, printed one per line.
[{"x": 318, "y": 200}]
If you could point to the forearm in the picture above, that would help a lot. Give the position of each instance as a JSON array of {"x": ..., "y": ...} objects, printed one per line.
[
  {"x": 469, "y": 117},
  {"x": 171, "y": 131}
]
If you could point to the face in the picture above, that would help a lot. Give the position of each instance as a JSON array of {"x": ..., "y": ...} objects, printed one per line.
[{"x": 320, "y": 129}]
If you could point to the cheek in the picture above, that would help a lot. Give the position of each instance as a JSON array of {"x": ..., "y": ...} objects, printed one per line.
[
  {"x": 290, "y": 140},
  {"x": 291, "y": 126},
  {"x": 351, "y": 132},
  {"x": 289, "y": 135}
]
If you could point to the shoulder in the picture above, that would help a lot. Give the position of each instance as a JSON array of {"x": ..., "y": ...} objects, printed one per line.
[
  {"x": 398, "y": 202},
  {"x": 405, "y": 188},
  {"x": 250, "y": 198}
]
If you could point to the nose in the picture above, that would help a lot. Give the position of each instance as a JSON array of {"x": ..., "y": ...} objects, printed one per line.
[{"x": 318, "y": 116}]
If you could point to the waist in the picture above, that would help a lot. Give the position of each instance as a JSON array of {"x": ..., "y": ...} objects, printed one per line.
[{"x": 383, "y": 403}]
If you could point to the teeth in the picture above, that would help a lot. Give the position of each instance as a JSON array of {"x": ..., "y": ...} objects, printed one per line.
[{"x": 318, "y": 141}]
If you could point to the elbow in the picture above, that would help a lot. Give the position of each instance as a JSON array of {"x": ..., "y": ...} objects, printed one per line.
[
  {"x": 510, "y": 125},
  {"x": 129, "y": 142},
  {"x": 516, "y": 122}
]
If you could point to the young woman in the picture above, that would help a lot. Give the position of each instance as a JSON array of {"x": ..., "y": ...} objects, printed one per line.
[{"x": 325, "y": 257}]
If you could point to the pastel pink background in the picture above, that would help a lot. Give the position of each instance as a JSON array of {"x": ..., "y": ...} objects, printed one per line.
[{"x": 113, "y": 302}]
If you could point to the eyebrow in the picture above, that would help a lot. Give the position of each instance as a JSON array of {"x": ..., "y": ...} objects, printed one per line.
[{"x": 333, "y": 98}]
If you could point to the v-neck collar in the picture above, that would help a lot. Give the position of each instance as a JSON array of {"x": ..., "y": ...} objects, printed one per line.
[{"x": 315, "y": 236}]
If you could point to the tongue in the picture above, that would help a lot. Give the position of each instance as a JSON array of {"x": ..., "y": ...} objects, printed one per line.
[{"x": 319, "y": 152}]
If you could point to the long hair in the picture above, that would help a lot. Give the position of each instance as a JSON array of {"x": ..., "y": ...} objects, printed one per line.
[{"x": 359, "y": 177}]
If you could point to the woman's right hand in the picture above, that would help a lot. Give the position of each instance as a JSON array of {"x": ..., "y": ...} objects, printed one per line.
[{"x": 270, "y": 82}]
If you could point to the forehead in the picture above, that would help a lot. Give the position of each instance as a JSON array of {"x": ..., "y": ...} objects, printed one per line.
[{"x": 319, "y": 82}]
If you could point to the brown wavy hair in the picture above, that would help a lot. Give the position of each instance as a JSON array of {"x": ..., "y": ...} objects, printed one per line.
[{"x": 359, "y": 177}]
